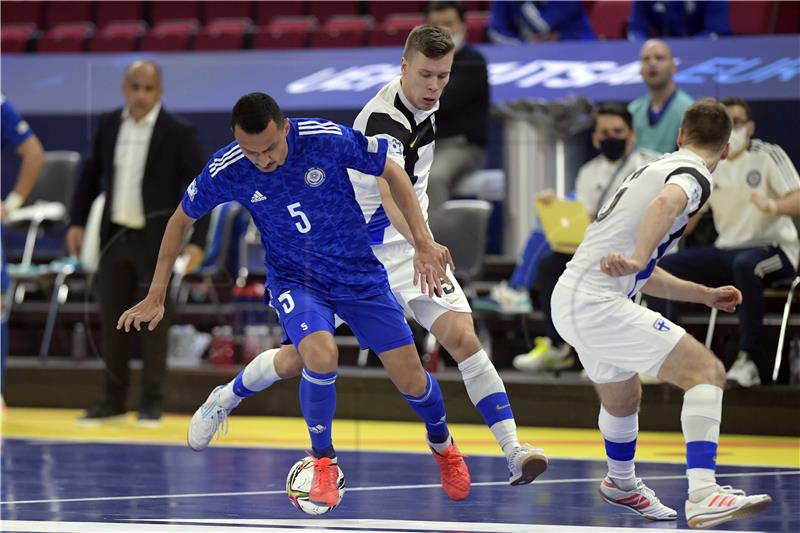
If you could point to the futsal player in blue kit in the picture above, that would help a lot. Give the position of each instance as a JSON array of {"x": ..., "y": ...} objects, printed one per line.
[{"x": 291, "y": 174}]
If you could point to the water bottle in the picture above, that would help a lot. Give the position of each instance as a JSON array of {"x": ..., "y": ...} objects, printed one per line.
[{"x": 79, "y": 342}]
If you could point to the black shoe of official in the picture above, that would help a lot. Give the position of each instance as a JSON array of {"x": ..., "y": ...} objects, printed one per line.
[
  {"x": 101, "y": 412},
  {"x": 149, "y": 417}
]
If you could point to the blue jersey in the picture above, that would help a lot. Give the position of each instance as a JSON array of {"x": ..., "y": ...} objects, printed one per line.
[
  {"x": 313, "y": 230},
  {"x": 14, "y": 128}
]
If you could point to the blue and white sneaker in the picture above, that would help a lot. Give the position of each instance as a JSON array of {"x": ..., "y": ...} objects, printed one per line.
[{"x": 209, "y": 420}]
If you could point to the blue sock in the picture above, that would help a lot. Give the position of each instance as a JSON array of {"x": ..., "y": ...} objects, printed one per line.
[
  {"x": 318, "y": 402},
  {"x": 239, "y": 389},
  {"x": 430, "y": 408},
  {"x": 701, "y": 454}
]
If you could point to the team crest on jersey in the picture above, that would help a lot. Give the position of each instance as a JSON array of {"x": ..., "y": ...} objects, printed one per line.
[
  {"x": 315, "y": 177},
  {"x": 192, "y": 190},
  {"x": 754, "y": 178}
]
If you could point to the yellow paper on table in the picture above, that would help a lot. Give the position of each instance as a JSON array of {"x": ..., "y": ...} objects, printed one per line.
[{"x": 564, "y": 222}]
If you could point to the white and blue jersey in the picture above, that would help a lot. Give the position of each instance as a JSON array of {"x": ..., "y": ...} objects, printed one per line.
[{"x": 311, "y": 225}]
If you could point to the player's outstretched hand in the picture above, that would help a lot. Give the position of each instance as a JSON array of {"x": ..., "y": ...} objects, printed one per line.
[
  {"x": 724, "y": 298},
  {"x": 149, "y": 311},
  {"x": 617, "y": 265},
  {"x": 430, "y": 267}
]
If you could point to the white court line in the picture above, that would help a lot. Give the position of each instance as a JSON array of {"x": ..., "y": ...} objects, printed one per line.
[{"x": 372, "y": 489}]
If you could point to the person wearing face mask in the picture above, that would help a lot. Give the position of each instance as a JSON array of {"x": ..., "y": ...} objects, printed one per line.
[
  {"x": 463, "y": 114},
  {"x": 597, "y": 181},
  {"x": 756, "y": 192}
]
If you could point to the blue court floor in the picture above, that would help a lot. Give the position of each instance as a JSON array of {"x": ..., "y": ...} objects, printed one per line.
[{"x": 62, "y": 486}]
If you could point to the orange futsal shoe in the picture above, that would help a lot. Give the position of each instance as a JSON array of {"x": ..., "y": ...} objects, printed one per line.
[
  {"x": 324, "y": 489},
  {"x": 455, "y": 474}
]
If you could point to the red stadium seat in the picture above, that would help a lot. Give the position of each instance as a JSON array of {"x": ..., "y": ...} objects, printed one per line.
[
  {"x": 68, "y": 37},
  {"x": 609, "y": 19},
  {"x": 58, "y": 13},
  {"x": 343, "y": 31},
  {"x": 285, "y": 32},
  {"x": 170, "y": 35},
  {"x": 226, "y": 10},
  {"x": 268, "y": 11},
  {"x": 123, "y": 36},
  {"x": 394, "y": 29},
  {"x": 15, "y": 37},
  {"x": 788, "y": 17},
  {"x": 108, "y": 12},
  {"x": 477, "y": 21},
  {"x": 171, "y": 10},
  {"x": 223, "y": 34},
  {"x": 381, "y": 10},
  {"x": 325, "y": 10},
  {"x": 23, "y": 12},
  {"x": 750, "y": 17},
  {"x": 476, "y": 5}
]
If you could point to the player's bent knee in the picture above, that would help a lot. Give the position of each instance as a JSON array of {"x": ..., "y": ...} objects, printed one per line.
[{"x": 288, "y": 362}]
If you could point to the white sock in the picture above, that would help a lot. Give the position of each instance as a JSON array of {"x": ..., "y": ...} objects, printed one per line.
[
  {"x": 701, "y": 416},
  {"x": 483, "y": 383},
  {"x": 619, "y": 434},
  {"x": 256, "y": 376},
  {"x": 441, "y": 447}
]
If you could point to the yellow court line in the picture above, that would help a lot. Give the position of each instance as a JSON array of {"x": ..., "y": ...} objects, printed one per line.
[{"x": 265, "y": 432}]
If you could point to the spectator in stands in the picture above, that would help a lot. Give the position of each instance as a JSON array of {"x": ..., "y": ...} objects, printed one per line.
[
  {"x": 463, "y": 117},
  {"x": 517, "y": 22},
  {"x": 678, "y": 19},
  {"x": 657, "y": 115},
  {"x": 143, "y": 157},
  {"x": 597, "y": 181},
  {"x": 756, "y": 192},
  {"x": 17, "y": 136}
]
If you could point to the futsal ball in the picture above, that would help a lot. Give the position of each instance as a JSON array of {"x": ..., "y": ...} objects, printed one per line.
[{"x": 298, "y": 485}]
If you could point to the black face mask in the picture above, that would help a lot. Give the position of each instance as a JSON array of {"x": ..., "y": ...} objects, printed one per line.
[{"x": 613, "y": 148}]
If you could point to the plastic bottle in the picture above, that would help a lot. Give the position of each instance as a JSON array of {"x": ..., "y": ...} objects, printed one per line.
[{"x": 79, "y": 342}]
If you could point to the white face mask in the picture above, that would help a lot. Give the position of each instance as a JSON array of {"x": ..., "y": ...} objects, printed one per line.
[
  {"x": 738, "y": 139},
  {"x": 458, "y": 40}
]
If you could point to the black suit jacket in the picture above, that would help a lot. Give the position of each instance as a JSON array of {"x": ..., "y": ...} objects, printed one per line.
[{"x": 174, "y": 159}]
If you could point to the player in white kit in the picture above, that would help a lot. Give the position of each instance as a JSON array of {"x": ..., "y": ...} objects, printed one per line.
[
  {"x": 617, "y": 340},
  {"x": 403, "y": 112}
]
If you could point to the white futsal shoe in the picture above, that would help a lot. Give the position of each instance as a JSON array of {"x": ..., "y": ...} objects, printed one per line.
[
  {"x": 722, "y": 505},
  {"x": 641, "y": 500},
  {"x": 210, "y": 419},
  {"x": 526, "y": 464}
]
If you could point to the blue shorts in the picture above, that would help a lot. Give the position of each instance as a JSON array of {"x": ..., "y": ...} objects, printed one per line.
[{"x": 378, "y": 321}]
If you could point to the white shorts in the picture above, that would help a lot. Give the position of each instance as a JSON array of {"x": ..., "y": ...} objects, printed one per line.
[{"x": 615, "y": 338}]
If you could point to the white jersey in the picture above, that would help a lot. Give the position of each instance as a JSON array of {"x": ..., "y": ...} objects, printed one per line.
[
  {"x": 617, "y": 225},
  {"x": 598, "y": 179},
  {"x": 766, "y": 169},
  {"x": 410, "y": 133}
]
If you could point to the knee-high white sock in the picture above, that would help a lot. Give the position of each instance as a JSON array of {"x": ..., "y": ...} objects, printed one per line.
[
  {"x": 488, "y": 394},
  {"x": 620, "y": 434},
  {"x": 700, "y": 419},
  {"x": 255, "y": 377}
]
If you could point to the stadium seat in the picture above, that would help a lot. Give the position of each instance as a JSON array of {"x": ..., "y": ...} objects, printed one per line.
[
  {"x": 223, "y": 34},
  {"x": 212, "y": 11},
  {"x": 108, "y": 12},
  {"x": 122, "y": 36},
  {"x": 23, "y": 12},
  {"x": 285, "y": 32},
  {"x": 169, "y": 10},
  {"x": 394, "y": 29},
  {"x": 325, "y": 10},
  {"x": 69, "y": 37},
  {"x": 58, "y": 13},
  {"x": 750, "y": 17},
  {"x": 266, "y": 12},
  {"x": 170, "y": 35},
  {"x": 343, "y": 31},
  {"x": 475, "y": 5},
  {"x": 16, "y": 37},
  {"x": 381, "y": 10},
  {"x": 788, "y": 17},
  {"x": 477, "y": 22},
  {"x": 609, "y": 19}
]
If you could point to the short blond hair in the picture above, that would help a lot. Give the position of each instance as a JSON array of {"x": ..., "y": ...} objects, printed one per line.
[{"x": 432, "y": 41}]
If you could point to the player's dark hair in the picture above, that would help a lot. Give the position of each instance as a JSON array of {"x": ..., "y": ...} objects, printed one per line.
[
  {"x": 253, "y": 112},
  {"x": 433, "y": 42},
  {"x": 735, "y": 100},
  {"x": 706, "y": 124},
  {"x": 442, "y": 5},
  {"x": 614, "y": 109}
]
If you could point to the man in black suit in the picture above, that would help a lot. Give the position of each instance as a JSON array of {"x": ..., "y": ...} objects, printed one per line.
[{"x": 143, "y": 157}]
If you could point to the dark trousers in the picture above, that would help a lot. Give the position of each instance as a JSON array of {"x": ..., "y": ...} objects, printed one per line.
[
  {"x": 749, "y": 270},
  {"x": 123, "y": 278},
  {"x": 550, "y": 268}
]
